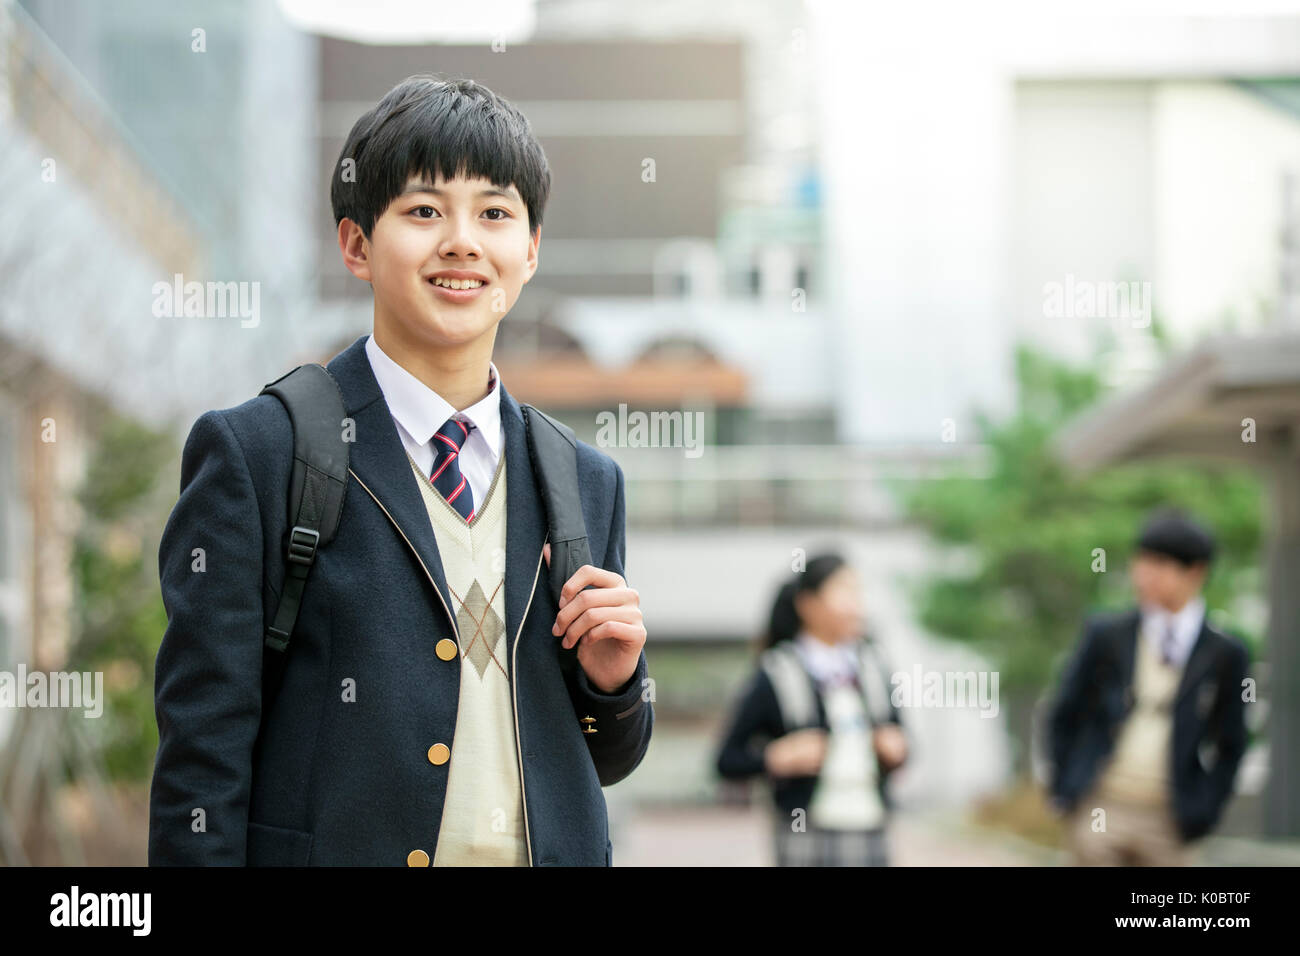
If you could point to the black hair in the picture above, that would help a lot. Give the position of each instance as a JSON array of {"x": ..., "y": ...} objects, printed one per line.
[
  {"x": 784, "y": 622},
  {"x": 1173, "y": 533},
  {"x": 433, "y": 127}
]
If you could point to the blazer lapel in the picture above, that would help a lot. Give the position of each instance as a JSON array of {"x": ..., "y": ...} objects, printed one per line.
[
  {"x": 1129, "y": 634},
  {"x": 526, "y": 529},
  {"x": 378, "y": 460},
  {"x": 1198, "y": 662}
]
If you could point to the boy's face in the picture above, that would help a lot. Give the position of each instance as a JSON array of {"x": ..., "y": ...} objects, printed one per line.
[
  {"x": 1161, "y": 580},
  {"x": 459, "y": 225}
]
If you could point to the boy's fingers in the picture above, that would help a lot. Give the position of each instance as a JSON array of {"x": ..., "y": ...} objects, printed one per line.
[
  {"x": 594, "y": 597},
  {"x": 592, "y": 619},
  {"x": 588, "y": 574},
  {"x": 546, "y": 553}
]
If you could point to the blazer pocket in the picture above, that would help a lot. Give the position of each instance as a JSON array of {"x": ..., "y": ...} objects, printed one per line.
[
  {"x": 1205, "y": 697},
  {"x": 277, "y": 846}
]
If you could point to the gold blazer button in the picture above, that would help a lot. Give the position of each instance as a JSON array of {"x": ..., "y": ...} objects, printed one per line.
[
  {"x": 446, "y": 649},
  {"x": 439, "y": 754},
  {"x": 417, "y": 858}
]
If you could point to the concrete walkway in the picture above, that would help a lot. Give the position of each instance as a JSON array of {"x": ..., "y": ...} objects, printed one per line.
[{"x": 727, "y": 836}]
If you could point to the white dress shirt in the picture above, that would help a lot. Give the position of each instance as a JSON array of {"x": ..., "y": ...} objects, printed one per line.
[
  {"x": 1186, "y": 622},
  {"x": 845, "y": 796},
  {"x": 419, "y": 412},
  {"x": 831, "y": 663}
]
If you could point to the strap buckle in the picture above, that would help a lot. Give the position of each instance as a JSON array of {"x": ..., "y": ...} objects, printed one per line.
[
  {"x": 302, "y": 545},
  {"x": 276, "y": 639}
]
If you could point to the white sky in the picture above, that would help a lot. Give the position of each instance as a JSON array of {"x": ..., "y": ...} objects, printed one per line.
[{"x": 414, "y": 21}]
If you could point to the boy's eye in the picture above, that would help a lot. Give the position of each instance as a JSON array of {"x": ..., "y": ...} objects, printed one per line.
[{"x": 419, "y": 212}]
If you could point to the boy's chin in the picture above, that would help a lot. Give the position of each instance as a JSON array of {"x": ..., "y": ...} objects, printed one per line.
[{"x": 452, "y": 331}]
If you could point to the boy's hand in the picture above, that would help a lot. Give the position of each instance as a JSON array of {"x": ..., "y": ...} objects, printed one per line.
[{"x": 608, "y": 616}]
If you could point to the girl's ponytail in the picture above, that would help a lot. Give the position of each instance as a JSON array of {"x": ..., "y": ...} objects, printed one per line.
[{"x": 784, "y": 621}]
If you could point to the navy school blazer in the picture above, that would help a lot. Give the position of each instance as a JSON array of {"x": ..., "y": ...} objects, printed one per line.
[
  {"x": 335, "y": 782},
  {"x": 1096, "y": 696}
]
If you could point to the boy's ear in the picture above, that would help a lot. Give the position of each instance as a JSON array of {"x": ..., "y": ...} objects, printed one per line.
[
  {"x": 534, "y": 241},
  {"x": 355, "y": 248}
]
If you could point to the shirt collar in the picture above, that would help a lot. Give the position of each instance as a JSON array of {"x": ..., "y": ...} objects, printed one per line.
[
  {"x": 422, "y": 411},
  {"x": 1186, "y": 621},
  {"x": 827, "y": 661}
]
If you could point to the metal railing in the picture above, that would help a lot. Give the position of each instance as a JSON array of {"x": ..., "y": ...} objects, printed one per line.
[{"x": 764, "y": 485}]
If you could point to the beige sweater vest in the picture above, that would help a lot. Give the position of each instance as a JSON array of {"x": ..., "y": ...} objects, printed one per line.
[
  {"x": 483, "y": 815},
  {"x": 1139, "y": 766}
]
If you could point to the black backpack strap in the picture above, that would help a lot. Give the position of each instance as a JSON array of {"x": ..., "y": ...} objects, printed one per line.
[
  {"x": 320, "y": 474},
  {"x": 553, "y": 449}
]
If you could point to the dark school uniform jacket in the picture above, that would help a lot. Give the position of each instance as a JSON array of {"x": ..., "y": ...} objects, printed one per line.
[
  {"x": 329, "y": 782},
  {"x": 781, "y": 697},
  {"x": 1096, "y": 695}
]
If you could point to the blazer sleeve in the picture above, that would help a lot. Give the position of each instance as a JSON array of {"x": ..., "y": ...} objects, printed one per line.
[
  {"x": 624, "y": 718},
  {"x": 755, "y": 723},
  {"x": 1230, "y": 729},
  {"x": 1070, "y": 705},
  {"x": 208, "y": 671}
]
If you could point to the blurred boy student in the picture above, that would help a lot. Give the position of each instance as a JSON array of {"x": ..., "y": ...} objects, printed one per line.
[
  {"x": 423, "y": 716},
  {"x": 817, "y": 722},
  {"x": 1148, "y": 726}
]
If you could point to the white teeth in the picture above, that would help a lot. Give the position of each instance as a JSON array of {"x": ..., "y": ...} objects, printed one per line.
[{"x": 458, "y": 283}]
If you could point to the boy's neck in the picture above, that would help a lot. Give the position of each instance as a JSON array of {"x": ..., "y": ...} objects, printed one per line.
[
  {"x": 459, "y": 375},
  {"x": 1175, "y": 605}
]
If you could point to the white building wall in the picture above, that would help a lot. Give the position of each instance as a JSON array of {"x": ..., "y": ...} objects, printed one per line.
[
  {"x": 914, "y": 125},
  {"x": 1220, "y": 154}
]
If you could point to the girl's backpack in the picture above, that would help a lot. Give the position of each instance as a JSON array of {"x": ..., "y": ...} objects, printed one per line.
[{"x": 796, "y": 695}]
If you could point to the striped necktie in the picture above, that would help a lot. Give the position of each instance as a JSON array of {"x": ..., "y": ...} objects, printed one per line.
[
  {"x": 1168, "y": 645},
  {"x": 446, "y": 478}
]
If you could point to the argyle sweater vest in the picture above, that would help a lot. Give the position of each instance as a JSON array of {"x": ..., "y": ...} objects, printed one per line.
[
  {"x": 1138, "y": 770},
  {"x": 483, "y": 814}
]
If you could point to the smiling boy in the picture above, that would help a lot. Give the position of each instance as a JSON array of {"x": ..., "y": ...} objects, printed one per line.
[{"x": 423, "y": 716}]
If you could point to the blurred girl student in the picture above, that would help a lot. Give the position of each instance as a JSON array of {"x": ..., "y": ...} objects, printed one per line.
[{"x": 816, "y": 721}]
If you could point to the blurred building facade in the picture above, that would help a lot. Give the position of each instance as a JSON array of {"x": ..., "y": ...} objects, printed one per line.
[
  {"x": 215, "y": 101},
  {"x": 81, "y": 204}
]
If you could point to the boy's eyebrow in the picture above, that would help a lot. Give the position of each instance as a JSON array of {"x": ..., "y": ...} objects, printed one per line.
[{"x": 492, "y": 191}]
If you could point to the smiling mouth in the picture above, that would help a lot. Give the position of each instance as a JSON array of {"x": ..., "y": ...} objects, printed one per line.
[
  {"x": 457, "y": 291},
  {"x": 457, "y": 284}
]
